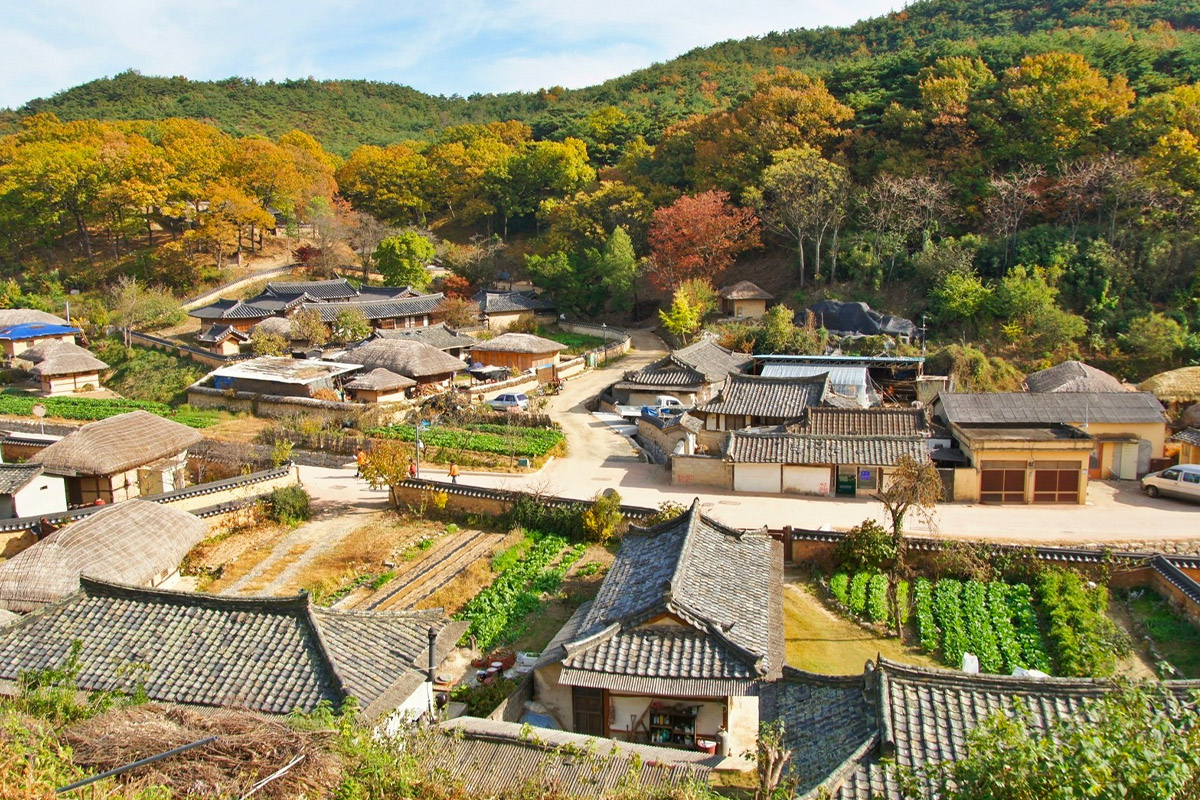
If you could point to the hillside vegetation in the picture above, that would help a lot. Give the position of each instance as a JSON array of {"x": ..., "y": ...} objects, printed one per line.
[{"x": 1024, "y": 174}]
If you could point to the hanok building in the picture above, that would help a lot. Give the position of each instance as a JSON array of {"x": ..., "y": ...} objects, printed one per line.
[
  {"x": 223, "y": 340},
  {"x": 854, "y": 381},
  {"x": 265, "y": 654},
  {"x": 518, "y": 352},
  {"x": 386, "y": 314},
  {"x": 750, "y": 400},
  {"x": 498, "y": 310},
  {"x": 422, "y": 363},
  {"x": 692, "y": 375},
  {"x": 119, "y": 458},
  {"x": 744, "y": 300},
  {"x": 137, "y": 543},
  {"x": 490, "y": 758},
  {"x": 1043, "y": 448},
  {"x": 281, "y": 376},
  {"x": 16, "y": 339},
  {"x": 27, "y": 491},
  {"x": 828, "y": 451},
  {"x": 847, "y": 734},
  {"x": 443, "y": 337},
  {"x": 676, "y": 646},
  {"x": 64, "y": 368},
  {"x": 379, "y": 386}
]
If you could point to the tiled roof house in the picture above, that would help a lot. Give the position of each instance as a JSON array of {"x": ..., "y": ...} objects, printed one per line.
[
  {"x": 272, "y": 655},
  {"x": 691, "y": 375},
  {"x": 683, "y": 632}
]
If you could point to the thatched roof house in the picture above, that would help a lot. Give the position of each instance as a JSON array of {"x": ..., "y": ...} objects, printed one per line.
[
  {"x": 517, "y": 351},
  {"x": 1073, "y": 376},
  {"x": 744, "y": 300},
  {"x": 1176, "y": 389},
  {"x": 121, "y": 457},
  {"x": 280, "y": 326},
  {"x": 416, "y": 360},
  {"x": 67, "y": 368},
  {"x": 18, "y": 316},
  {"x": 135, "y": 542},
  {"x": 380, "y": 386}
]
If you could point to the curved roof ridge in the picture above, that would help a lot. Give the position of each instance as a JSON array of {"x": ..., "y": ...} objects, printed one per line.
[
  {"x": 286, "y": 604},
  {"x": 311, "y": 620}
]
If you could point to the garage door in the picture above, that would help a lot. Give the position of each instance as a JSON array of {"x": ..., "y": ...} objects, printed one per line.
[
  {"x": 1055, "y": 482},
  {"x": 806, "y": 480},
  {"x": 757, "y": 478},
  {"x": 1002, "y": 482}
]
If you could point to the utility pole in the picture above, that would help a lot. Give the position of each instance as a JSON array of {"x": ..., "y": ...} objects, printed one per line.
[{"x": 923, "y": 329}]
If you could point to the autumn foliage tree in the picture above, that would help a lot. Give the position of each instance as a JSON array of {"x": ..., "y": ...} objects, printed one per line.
[{"x": 699, "y": 236}]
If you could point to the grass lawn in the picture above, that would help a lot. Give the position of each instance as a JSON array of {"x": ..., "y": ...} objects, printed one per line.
[
  {"x": 818, "y": 640},
  {"x": 576, "y": 342},
  {"x": 1176, "y": 639}
]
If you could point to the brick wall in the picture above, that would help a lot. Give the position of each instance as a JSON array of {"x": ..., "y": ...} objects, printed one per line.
[{"x": 701, "y": 471}]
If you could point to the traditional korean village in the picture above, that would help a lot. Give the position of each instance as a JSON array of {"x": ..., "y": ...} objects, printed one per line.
[{"x": 789, "y": 403}]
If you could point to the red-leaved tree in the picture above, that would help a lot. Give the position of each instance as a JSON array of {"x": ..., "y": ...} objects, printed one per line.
[{"x": 698, "y": 236}]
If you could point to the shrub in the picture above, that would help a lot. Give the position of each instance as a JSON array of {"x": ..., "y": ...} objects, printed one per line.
[
  {"x": 601, "y": 520},
  {"x": 839, "y": 587},
  {"x": 289, "y": 505},
  {"x": 877, "y": 598},
  {"x": 866, "y": 546},
  {"x": 947, "y": 610},
  {"x": 902, "y": 603},
  {"x": 927, "y": 629},
  {"x": 1083, "y": 640},
  {"x": 858, "y": 593}
]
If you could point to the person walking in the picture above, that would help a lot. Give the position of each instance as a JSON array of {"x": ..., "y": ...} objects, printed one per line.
[
  {"x": 412, "y": 468},
  {"x": 453, "y": 473},
  {"x": 361, "y": 458}
]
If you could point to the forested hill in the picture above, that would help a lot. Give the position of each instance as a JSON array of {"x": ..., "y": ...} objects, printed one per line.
[{"x": 1154, "y": 43}]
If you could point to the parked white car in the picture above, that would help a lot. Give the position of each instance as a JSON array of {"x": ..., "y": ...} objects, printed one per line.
[
  {"x": 505, "y": 402},
  {"x": 1182, "y": 481}
]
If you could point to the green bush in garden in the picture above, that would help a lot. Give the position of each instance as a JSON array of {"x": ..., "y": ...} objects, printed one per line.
[
  {"x": 902, "y": 603},
  {"x": 839, "y": 587},
  {"x": 877, "y": 598},
  {"x": 926, "y": 626},
  {"x": 947, "y": 611},
  {"x": 858, "y": 593},
  {"x": 1083, "y": 640}
]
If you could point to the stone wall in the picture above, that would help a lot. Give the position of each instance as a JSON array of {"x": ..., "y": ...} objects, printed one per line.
[
  {"x": 701, "y": 471},
  {"x": 462, "y": 499},
  {"x": 267, "y": 405},
  {"x": 512, "y": 708}
]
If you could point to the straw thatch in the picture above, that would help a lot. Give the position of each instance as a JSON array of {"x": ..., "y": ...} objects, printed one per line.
[
  {"x": 525, "y": 343},
  {"x": 415, "y": 360},
  {"x": 39, "y": 353},
  {"x": 248, "y": 748},
  {"x": 1176, "y": 386},
  {"x": 380, "y": 380},
  {"x": 66, "y": 362},
  {"x": 133, "y": 542},
  {"x": 19, "y": 316},
  {"x": 116, "y": 444},
  {"x": 1073, "y": 376},
  {"x": 280, "y": 326}
]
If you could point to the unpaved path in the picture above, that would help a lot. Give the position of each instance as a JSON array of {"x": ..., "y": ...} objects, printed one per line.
[{"x": 295, "y": 551}]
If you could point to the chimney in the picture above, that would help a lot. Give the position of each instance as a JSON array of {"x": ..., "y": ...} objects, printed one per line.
[{"x": 432, "y": 653}]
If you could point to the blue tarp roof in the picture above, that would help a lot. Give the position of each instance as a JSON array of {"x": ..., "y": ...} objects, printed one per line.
[{"x": 32, "y": 330}]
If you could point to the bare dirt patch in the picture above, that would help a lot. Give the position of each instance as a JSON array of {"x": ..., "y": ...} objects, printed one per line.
[{"x": 223, "y": 559}]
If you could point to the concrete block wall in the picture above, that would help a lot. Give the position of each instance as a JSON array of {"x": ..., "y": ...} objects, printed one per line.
[{"x": 701, "y": 471}]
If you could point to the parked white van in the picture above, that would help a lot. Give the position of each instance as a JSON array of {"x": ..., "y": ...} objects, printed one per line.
[{"x": 1182, "y": 481}]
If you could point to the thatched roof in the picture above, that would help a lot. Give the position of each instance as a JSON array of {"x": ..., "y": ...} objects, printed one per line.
[
  {"x": 280, "y": 326},
  {"x": 518, "y": 343},
  {"x": 133, "y": 542},
  {"x": 1176, "y": 386},
  {"x": 745, "y": 290},
  {"x": 17, "y": 316},
  {"x": 69, "y": 362},
  {"x": 43, "y": 351},
  {"x": 1073, "y": 376},
  {"x": 404, "y": 357},
  {"x": 116, "y": 444},
  {"x": 381, "y": 380}
]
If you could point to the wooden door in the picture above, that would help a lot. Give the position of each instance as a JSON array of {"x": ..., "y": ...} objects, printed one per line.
[{"x": 588, "y": 710}]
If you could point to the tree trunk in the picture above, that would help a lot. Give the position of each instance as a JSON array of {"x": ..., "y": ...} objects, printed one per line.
[
  {"x": 833, "y": 263},
  {"x": 817, "y": 255},
  {"x": 800, "y": 250},
  {"x": 149, "y": 229},
  {"x": 84, "y": 236}
]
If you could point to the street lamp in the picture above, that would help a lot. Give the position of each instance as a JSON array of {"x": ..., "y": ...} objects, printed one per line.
[{"x": 604, "y": 328}]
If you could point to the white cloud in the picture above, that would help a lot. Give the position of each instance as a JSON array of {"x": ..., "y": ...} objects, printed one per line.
[{"x": 457, "y": 46}]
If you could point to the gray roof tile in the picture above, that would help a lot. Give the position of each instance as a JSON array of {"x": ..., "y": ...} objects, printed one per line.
[
  {"x": 508, "y": 302},
  {"x": 1050, "y": 407},
  {"x": 272, "y": 655},
  {"x": 15, "y": 476},
  {"x": 1188, "y": 436},
  {"x": 744, "y": 447},
  {"x": 773, "y": 398},
  {"x": 382, "y": 309},
  {"x": 698, "y": 364},
  {"x": 906, "y": 422}
]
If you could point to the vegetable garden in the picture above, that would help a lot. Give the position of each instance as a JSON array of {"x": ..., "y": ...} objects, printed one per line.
[
  {"x": 91, "y": 408},
  {"x": 498, "y": 614},
  {"x": 480, "y": 437},
  {"x": 1058, "y": 626}
]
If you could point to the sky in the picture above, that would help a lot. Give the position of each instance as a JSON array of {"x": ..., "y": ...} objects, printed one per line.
[{"x": 449, "y": 47}]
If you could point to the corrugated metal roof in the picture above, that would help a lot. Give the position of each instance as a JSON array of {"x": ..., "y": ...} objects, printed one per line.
[{"x": 838, "y": 376}]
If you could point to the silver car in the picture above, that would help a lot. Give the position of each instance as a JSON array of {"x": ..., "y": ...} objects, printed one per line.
[
  {"x": 512, "y": 400},
  {"x": 1182, "y": 481}
]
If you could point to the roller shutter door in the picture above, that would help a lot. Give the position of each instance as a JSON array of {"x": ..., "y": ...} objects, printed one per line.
[
  {"x": 1002, "y": 482},
  {"x": 806, "y": 480},
  {"x": 1055, "y": 482},
  {"x": 757, "y": 478}
]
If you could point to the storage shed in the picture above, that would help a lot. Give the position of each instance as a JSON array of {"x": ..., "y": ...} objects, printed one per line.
[{"x": 517, "y": 351}]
